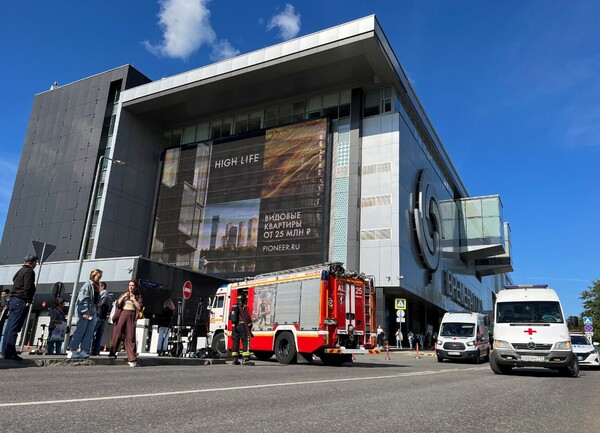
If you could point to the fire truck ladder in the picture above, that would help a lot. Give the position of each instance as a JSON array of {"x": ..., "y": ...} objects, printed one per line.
[
  {"x": 368, "y": 315},
  {"x": 300, "y": 269}
]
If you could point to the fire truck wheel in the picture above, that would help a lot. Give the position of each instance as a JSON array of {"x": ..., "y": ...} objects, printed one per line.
[
  {"x": 285, "y": 348},
  {"x": 218, "y": 344},
  {"x": 263, "y": 355}
]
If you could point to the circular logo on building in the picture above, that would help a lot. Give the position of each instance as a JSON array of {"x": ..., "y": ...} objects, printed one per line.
[{"x": 427, "y": 220}]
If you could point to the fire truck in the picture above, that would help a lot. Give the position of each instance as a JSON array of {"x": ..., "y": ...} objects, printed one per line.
[{"x": 320, "y": 310}]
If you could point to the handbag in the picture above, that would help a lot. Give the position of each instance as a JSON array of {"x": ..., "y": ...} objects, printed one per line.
[
  {"x": 58, "y": 333},
  {"x": 115, "y": 312}
]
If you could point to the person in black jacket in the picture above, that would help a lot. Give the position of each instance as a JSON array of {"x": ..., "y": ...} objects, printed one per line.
[
  {"x": 164, "y": 326},
  {"x": 241, "y": 330},
  {"x": 21, "y": 296}
]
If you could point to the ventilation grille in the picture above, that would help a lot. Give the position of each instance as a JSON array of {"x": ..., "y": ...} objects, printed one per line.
[
  {"x": 376, "y": 234},
  {"x": 380, "y": 167},
  {"x": 376, "y": 200}
]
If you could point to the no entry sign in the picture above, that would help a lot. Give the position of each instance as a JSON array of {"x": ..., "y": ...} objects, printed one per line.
[{"x": 187, "y": 289}]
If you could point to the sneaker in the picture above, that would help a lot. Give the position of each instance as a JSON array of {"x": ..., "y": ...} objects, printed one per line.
[
  {"x": 83, "y": 354},
  {"x": 247, "y": 362},
  {"x": 132, "y": 363},
  {"x": 72, "y": 354},
  {"x": 112, "y": 356}
]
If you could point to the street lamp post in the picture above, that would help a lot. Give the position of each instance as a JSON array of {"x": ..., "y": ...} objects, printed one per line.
[{"x": 82, "y": 250}]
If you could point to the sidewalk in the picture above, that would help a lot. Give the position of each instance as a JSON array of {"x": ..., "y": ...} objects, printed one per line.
[{"x": 144, "y": 360}]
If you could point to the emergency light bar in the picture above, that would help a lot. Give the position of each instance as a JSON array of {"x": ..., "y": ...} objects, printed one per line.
[{"x": 527, "y": 286}]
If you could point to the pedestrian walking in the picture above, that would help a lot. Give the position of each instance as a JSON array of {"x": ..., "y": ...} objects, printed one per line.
[
  {"x": 130, "y": 304},
  {"x": 103, "y": 310},
  {"x": 399, "y": 338},
  {"x": 21, "y": 296},
  {"x": 241, "y": 332},
  {"x": 85, "y": 306},
  {"x": 411, "y": 338},
  {"x": 164, "y": 326}
]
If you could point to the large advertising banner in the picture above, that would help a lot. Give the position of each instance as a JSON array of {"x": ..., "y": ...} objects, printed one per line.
[{"x": 244, "y": 206}]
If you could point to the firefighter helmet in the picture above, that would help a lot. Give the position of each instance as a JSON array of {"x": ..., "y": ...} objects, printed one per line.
[{"x": 242, "y": 297}]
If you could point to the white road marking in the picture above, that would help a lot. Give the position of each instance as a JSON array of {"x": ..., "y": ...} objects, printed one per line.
[{"x": 235, "y": 388}]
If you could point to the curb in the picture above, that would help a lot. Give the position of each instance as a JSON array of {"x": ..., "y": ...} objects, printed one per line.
[{"x": 62, "y": 361}]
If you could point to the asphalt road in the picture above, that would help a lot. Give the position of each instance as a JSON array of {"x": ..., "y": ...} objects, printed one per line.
[{"x": 402, "y": 394}]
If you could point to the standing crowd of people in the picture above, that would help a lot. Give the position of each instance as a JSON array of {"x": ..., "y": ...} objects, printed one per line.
[
  {"x": 92, "y": 307},
  {"x": 425, "y": 341}
]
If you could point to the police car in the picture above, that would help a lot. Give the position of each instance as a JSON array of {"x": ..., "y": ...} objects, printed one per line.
[{"x": 586, "y": 353}]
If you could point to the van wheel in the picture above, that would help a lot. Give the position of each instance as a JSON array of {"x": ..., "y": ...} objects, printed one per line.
[
  {"x": 477, "y": 357},
  {"x": 285, "y": 348},
  {"x": 572, "y": 370},
  {"x": 499, "y": 368},
  {"x": 440, "y": 359}
]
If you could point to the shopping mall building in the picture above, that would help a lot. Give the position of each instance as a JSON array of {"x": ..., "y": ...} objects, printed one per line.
[{"x": 313, "y": 150}]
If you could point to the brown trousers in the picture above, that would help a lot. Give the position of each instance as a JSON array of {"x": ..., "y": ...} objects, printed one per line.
[{"x": 125, "y": 326}]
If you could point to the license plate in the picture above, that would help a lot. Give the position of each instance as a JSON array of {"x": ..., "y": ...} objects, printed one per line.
[
  {"x": 454, "y": 353},
  {"x": 532, "y": 358}
]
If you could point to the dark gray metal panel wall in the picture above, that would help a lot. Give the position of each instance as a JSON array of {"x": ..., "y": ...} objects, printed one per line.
[
  {"x": 129, "y": 206},
  {"x": 54, "y": 180}
]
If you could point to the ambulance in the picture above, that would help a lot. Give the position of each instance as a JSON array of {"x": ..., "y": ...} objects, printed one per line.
[
  {"x": 463, "y": 336},
  {"x": 530, "y": 330}
]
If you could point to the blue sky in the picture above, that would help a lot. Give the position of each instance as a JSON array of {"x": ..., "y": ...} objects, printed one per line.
[{"x": 512, "y": 88}]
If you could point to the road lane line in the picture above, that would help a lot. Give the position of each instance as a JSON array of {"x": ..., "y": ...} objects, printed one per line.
[{"x": 236, "y": 388}]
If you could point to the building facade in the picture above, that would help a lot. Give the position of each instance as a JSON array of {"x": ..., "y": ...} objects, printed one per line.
[{"x": 313, "y": 150}]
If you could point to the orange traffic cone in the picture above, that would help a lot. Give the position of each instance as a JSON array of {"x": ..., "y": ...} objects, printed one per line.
[
  {"x": 418, "y": 357},
  {"x": 105, "y": 348},
  {"x": 28, "y": 347},
  {"x": 387, "y": 351}
]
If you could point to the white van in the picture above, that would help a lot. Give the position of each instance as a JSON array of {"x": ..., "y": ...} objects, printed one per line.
[
  {"x": 530, "y": 331},
  {"x": 463, "y": 335}
]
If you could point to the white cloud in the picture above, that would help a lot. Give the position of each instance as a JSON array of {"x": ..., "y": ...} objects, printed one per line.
[
  {"x": 223, "y": 50},
  {"x": 288, "y": 22},
  {"x": 186, "y": 27}
]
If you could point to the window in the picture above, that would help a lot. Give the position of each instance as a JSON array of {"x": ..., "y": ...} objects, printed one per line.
[{"x": 371, "y": 107}]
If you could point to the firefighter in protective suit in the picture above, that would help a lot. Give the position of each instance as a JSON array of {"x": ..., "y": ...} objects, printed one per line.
[{"x": 241, "y": 324}]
